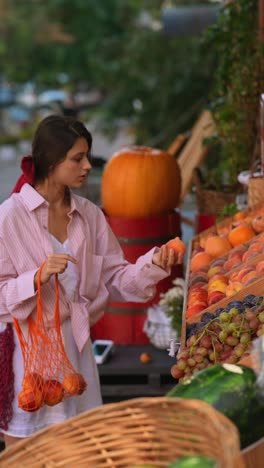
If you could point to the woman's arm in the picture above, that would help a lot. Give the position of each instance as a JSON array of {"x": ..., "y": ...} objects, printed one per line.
[
  {"x": 131, "y": 282},
  {"x": 17, "y": 293}
]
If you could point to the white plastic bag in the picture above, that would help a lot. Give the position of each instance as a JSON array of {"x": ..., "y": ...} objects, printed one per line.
[{"x": 158, "y": 328}]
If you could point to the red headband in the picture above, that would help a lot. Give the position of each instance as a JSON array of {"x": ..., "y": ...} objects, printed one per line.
[{"x": 28, "y": 173}]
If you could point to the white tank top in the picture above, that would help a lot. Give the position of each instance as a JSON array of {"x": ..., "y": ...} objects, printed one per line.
[{"x": 69, "y": 278}]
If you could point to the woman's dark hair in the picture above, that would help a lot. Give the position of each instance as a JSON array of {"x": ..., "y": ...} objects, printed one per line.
[{"x": 54, "y": 137}]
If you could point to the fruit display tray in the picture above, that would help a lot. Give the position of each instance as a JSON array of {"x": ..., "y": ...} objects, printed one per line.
[{"x": 256, "y": 288}]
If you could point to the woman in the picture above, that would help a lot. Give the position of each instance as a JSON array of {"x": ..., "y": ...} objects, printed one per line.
[{"x": 46, "y": 222}]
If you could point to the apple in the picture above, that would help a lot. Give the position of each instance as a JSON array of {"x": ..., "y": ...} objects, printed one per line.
[{"x": 53, "y": 392}]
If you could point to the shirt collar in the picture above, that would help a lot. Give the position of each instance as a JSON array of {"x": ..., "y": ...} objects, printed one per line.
[{"x": 32, "y": 199}]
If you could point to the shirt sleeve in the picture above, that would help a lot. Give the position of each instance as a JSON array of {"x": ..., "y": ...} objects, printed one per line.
[
  {"x": 17, "y": 294},
  {"x": 126, "y": 281}
]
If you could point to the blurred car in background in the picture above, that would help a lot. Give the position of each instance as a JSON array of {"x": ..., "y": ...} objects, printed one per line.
[
  {"x": 50, "y": 96},
  {"x": 15, "y": 118},
  {"x": 27, "y": 95},
  {"x": 7, "y": 95}
]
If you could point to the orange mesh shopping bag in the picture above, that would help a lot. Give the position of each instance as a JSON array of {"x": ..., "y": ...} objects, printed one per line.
[{"x": 49, "y": 376}]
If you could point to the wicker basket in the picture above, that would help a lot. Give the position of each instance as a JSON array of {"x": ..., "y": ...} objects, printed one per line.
[
  {"x": 149, "y": 430},
  {"x": 212, "y": 203},
  {"x": 255, "y": 191}
]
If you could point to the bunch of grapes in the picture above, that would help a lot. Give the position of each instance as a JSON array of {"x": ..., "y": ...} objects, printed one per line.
[{"x": 225, "y": 336}]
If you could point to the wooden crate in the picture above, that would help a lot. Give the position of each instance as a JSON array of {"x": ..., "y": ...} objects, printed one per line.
[
  {"x": 253, "y": 455},
  {"x": 256, "y": 288}
]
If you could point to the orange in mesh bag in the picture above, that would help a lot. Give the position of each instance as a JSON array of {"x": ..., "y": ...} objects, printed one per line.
[{"x": 49, "y": 376}]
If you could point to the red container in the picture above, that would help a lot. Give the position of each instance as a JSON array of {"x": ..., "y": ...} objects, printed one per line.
[
  {"x": 123, "y": 321},
  {"x": 204, "y": 222}
]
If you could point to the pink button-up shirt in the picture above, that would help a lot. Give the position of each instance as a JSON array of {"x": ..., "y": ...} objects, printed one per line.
[{"x": 102, "y": 270}]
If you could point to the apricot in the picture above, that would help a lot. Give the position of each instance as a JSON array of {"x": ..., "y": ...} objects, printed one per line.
[
  {"x": 240, "y": 215},
  {"x": 177, "y": 245},
  {"x": 217, "y": 246},
  {"x": 145, "y": 358},
  {"x": 240, "y": 234}
]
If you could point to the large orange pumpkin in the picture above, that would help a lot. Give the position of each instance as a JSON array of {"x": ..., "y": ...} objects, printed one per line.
[{"x": 138, "y": 182}]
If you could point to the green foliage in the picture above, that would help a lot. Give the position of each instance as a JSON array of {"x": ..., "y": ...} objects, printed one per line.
[
  {"x": 157, "y": 84},
  {"x": 172, "y": 303},
  {"x": 238, "y": 82},
  {"x": 228, "y": 210}
]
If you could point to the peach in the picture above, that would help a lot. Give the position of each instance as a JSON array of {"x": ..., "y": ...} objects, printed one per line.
[
  {"x": 249, "y": 255},
  {"x": 200, "y": 260},
  {"x": 196, "y": 250},
  {"x": 30, "y": 400},
  {"x": 256, "y": 247},
  {"x": 244, "y": 271},
  {"x": 203, "y": 303},
  {"x": 240, "y": 215},
  {"x": 193, "y": 310},
  {"x": 234, "y": 276},
  {"x": 33, "y": 380},
  {"x": 248, "y": 276},
  {"x": 74, "y": 384},
  {"x": 215, "y": 296},
  {"x": 239, "y": 250},
  {"x": 199, "y": 284},
  {"x": 221, "y": 278},
  {"x": 217, "y": 285},
  {"x": 196, "y": 288},
  {"x": 216, "y": 246},
  {"x": 232, "y": 288},
  {"x": 217, "y": 262},
  {"x": 214, "y": 269},
  {"x": 53, "y": 392},
  {"x": 197, "y": 296},
  {"x": 232, "y": 263},
  {"x": 260, "y": 266}
]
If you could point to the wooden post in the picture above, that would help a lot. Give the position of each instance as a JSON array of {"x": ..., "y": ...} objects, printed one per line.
[{"x": 261, "y": 118}]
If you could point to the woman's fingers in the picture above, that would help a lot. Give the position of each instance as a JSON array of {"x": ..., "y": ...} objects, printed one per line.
[
  {"x": 55, "y": 264},
  {"x": 166, "y": 258}
]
